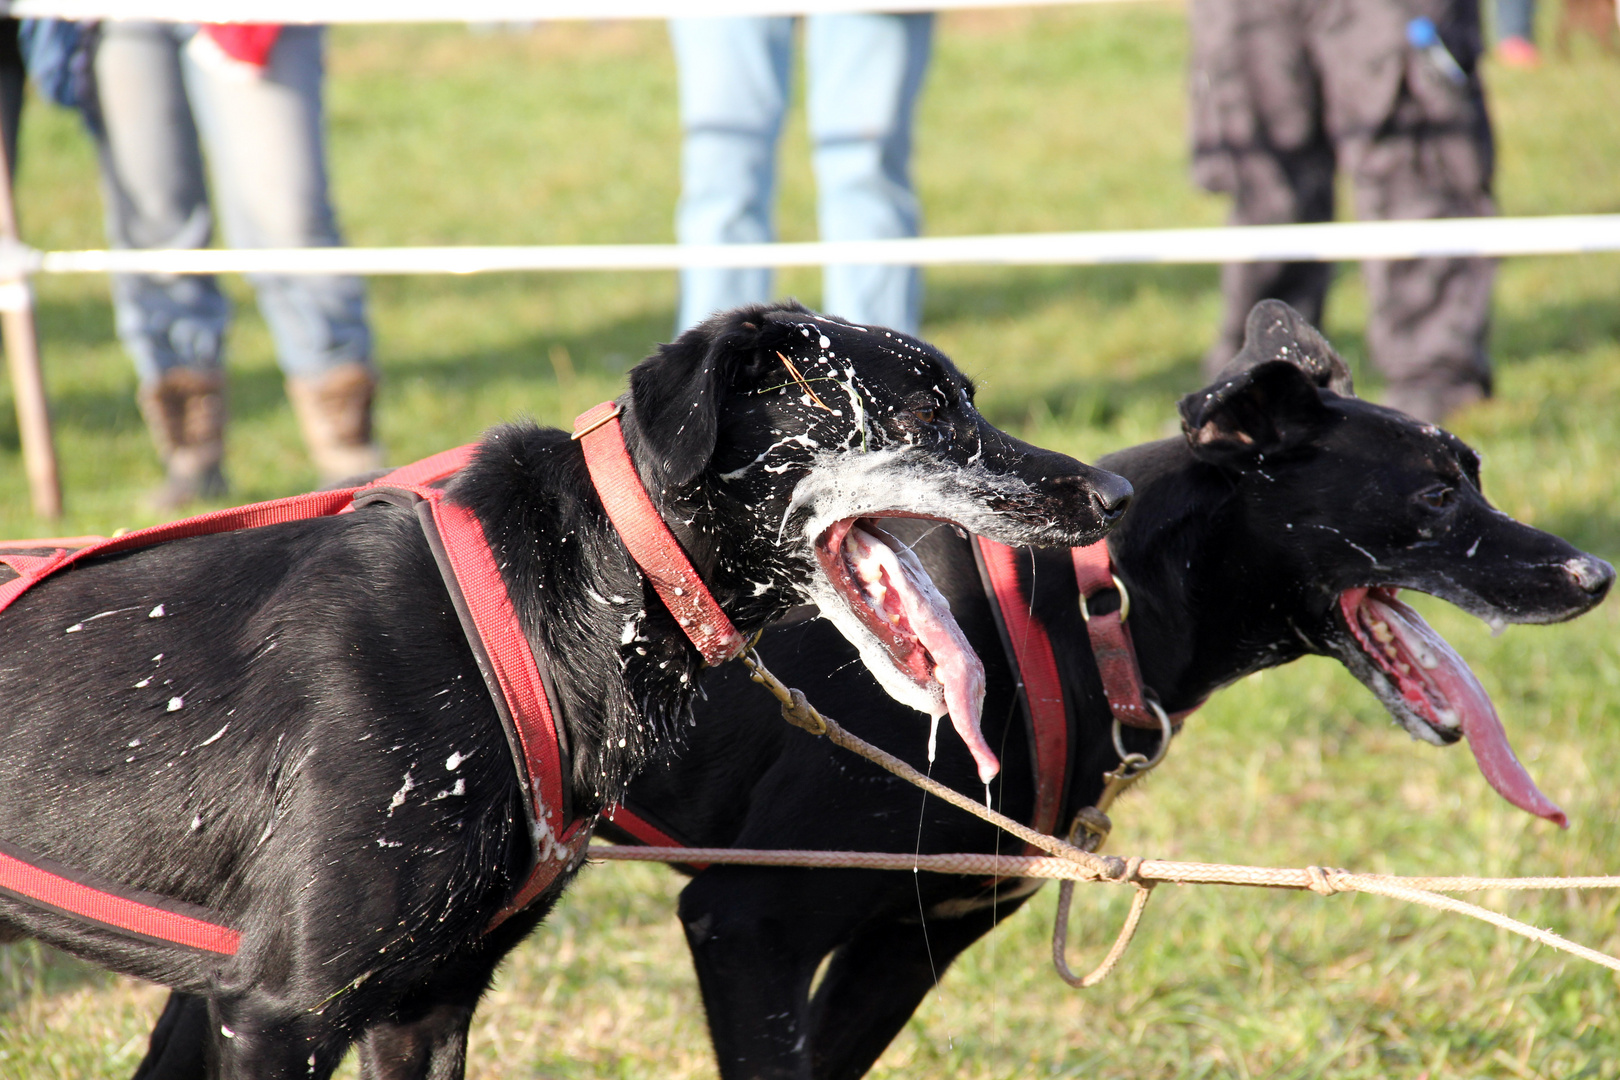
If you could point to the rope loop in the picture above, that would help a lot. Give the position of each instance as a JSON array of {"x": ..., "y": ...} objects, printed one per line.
[
  {"x": 1324, "y": 882},
  {"x": 1060, "y": 935}
]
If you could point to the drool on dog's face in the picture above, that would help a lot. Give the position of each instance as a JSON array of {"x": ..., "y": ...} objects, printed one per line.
[
  {"x": 1290, "y": 430},
  {"x": 792, "y": 431}
]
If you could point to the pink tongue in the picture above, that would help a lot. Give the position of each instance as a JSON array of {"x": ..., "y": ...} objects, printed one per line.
[
  {"x": 957, "y": 667},
  {"x": 1461, "y": 691}
]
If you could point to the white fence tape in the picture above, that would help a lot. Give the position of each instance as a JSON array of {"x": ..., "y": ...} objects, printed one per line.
[
  {"x": 1271, "y": 243},
  {"x": 474, "y": 11}
]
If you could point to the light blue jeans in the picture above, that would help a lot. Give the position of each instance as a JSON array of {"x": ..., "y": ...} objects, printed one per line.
[
  {"x": 161, "y": 111},
  {"x": 864, "y": 74}
]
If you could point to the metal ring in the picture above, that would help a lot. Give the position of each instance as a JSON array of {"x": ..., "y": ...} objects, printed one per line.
[
  {"x": 1124, "y": 601},
  {"x": 1167, "y": 731}
]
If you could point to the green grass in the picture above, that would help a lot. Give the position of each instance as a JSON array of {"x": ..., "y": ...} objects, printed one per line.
[{"x": 1053, "y": 119}]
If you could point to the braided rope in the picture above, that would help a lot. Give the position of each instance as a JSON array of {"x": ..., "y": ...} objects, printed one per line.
[
  {"x": 1074, "y": 863},
  {"x": 1146, "y": 873}
]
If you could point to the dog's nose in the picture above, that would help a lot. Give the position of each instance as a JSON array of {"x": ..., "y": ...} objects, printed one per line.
[
  {"x": 1110, "y": 495},
  {"x": 1591, "y": 575}
]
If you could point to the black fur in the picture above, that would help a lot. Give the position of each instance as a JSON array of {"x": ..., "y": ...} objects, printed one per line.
[
  {"x": 1241, "y": 535},
  {"x": 286, "y": 726}
]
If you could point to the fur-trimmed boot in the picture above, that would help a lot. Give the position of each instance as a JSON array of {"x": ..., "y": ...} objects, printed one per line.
[
  {"x": 334, "y": 413},
  {"x": 185, "y": 412}
]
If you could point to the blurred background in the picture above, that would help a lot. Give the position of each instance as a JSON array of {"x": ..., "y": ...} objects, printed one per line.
[{"x": 1030, "y": 120}]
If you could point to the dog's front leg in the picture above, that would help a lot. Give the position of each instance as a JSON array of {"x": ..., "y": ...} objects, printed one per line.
[
  {"x": 256, "y": 1035},
  {"x": 431, "y": 1046},
  {"x": 877, "y": 979}
]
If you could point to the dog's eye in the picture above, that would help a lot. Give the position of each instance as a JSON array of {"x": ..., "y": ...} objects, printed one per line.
[
  {"x": 1437, "y": 498},
  {"x": 925, "y": 415}
]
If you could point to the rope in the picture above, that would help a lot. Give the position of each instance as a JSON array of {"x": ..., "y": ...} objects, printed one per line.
[
  {"x": 797, "y": 711},
  {"x": 1447, "y": 237},
  {"x": 1077, "y": 864},
  {"x": 1151, "y": 872}
]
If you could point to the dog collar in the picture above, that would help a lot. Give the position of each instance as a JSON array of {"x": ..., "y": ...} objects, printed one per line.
[
  {"x": 648, "y": 539},
  {"x": 1111, "y": 645}
]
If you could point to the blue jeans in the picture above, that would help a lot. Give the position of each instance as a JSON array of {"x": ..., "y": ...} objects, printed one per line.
[
  {"x": 161, "y": 109},
  {"x": 1515, "y": 18},
  {"x": 864, "y": 74}
]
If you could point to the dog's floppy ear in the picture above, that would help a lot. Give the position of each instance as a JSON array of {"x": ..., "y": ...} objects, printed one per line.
[
  {"x": 676, "y": 395},
  {"x": 1259, "y": 410},
  {"x": 1275, "y": 331}
]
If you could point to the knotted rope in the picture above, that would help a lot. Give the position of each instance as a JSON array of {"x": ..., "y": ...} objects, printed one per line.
[{"x": 1070, "y": 862}]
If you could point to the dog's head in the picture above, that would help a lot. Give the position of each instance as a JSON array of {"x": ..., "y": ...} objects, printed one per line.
[
  {"x": 1360, "y": 501},
  {"x": 776, "y": 435}
]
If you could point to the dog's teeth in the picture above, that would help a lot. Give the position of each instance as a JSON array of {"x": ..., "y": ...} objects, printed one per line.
[
  {"x": 1392, "y": 652},
  {"x": 1403, "y": 667},
  {"x": 1381, "y": 632},
  {"x": 1447, "y": 718}
]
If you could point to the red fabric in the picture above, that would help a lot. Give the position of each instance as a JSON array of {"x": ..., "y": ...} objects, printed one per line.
[
  {"x": 543, "y": 873},
  {"x": 486, "y": 596},
  {"x": 1043, "y": 689},
  {"x": 649, "y": 540},
  {"x": 297, "y": 508},
  {"x": 30, "y": 882},
  {"x": 645, "y": 831},
  {"x": 249, "y": 43},
  {"x": 429, "y": 470},
  {"x": 1111, "y": 640},
  {"x": 509, "y": 654}
]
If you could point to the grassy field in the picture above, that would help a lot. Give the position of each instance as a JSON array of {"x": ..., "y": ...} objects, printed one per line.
[{"x": 1059, "y": 118}]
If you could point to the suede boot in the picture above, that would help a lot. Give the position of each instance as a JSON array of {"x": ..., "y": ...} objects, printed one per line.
[
  {"x": 334, "y": 413},
  {"x": 185, "y": 412}
]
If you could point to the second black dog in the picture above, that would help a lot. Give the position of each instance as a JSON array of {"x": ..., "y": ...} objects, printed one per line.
[{"x": 1278, "y": 526}]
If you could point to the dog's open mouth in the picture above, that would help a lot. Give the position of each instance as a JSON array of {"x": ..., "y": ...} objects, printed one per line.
[
  {"x": 1435, "y": 686},
  {"x": 904, "y": 629}
]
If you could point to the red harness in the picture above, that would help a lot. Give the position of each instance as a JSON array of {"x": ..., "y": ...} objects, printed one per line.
[
  {"x": 517, "y": 679},
  {"x": 1040, "y": 688}
]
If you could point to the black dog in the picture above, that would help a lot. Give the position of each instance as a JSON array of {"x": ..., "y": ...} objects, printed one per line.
[
  {"x": 1268, "y": 532},
  {"x": 1280, "y": 525},
  {"x": 287, "y": 726}
]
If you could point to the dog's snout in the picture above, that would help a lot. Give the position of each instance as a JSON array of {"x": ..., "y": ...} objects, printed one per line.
[
  {"x": 1110, "y": 495},
  {"x": 1591, "y": 575}
]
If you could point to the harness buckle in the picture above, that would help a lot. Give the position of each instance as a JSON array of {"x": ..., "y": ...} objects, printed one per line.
[{"x": 1124, "y": 601}]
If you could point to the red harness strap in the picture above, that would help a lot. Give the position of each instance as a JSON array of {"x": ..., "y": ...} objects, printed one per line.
[
  {"x": 516, "y": 680},
  {"x": 516, "y": 685},
  {"x": 1039, "y": 685},
  {"x": 1111, "y": 645},
  {"x": 648, "y": 539},
  {"x": 645, "y": 832}
]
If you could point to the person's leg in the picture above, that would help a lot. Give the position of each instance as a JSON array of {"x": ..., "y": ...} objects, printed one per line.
[
  {"x": 265, "y": 139},
  {"x": 733, "y": 89},
  {"x": 1515, "y": 18},
  {"x": 12, "y": 76},
  {"x": 1258, "y": 135},
  {"x": 1422, "y": 151},
  {"x": 1515, "y": 33},
  {"x": 865, "y": 73},
  {"x": 152, "y": 183}
]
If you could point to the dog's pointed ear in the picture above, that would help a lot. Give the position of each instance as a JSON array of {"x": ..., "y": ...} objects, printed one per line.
[
  {"x": 1260, "y": 410},
  {"x": 1275, "y": 331},
  {"x": 676, "y": 394}
]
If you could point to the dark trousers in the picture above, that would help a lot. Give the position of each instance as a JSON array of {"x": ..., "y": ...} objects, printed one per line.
[
  {"x": 1285, "y": 93},
  {"x": 12, "y": 76}
]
